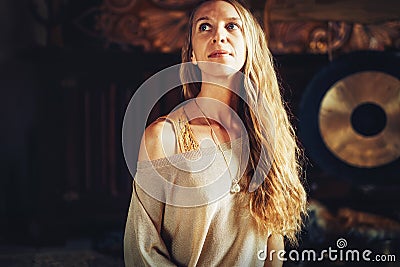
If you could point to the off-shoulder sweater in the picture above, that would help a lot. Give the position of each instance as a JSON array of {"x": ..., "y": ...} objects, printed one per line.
[{"x": 182, "y": 212}]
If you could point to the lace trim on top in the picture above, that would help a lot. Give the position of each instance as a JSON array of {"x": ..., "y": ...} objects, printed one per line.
[
  {"x": 186, "y": 138},
  {"x": 190, "y": 155}
]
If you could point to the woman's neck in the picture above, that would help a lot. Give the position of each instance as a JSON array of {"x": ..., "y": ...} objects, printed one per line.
[
  {"x": 222, "y": 89},
  {"x": 219, "y": 100},
  {"x": 219, "y": 93}
]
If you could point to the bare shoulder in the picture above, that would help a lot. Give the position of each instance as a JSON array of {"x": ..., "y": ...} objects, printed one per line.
[{"x": 158, "y": 141}]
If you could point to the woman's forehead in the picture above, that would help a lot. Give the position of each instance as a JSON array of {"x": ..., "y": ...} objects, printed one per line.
[{"x": 214, "y": 9}]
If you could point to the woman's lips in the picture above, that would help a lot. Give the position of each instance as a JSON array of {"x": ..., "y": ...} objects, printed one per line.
[{"x": 219, "y": 53}]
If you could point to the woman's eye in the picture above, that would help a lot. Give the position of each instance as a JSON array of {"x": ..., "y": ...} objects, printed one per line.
[
  {"x": 232, "y": 26},
  {"x": 204, "y": 27}
]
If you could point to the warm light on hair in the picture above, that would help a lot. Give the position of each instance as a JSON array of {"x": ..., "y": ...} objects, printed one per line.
[{"x": 279, "y": 204}]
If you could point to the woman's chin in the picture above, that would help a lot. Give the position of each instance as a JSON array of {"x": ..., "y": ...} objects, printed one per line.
[{"x": 217, "y": 69}]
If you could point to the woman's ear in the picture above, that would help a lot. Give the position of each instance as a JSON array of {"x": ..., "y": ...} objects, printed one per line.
[{"x": 193, "y": 59}]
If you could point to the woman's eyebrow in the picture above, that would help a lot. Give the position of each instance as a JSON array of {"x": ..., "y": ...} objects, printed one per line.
[
  {"x": 202, "y": 18},
  {"x": 234, "y": 18},
  {"x": 227, "y": 19}
]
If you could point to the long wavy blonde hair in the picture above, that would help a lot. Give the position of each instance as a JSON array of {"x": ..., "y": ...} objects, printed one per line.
[{"x": 279, "y": 203}]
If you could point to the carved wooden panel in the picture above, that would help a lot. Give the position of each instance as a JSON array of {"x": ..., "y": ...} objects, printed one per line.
[
  {"x": 353, "y": 11},
  {"x": 147, "y": 24},
  {"x": 308, "y": 27},
  {"x": 292, "y": 26},
  {"x": 174, "y": 4}
]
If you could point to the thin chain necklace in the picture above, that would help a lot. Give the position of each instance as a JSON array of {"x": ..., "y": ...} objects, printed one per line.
[{"x": 235, "y": 187}]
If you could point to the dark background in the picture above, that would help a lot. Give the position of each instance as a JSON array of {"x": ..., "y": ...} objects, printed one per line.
[{"x": 64, "y": 181}]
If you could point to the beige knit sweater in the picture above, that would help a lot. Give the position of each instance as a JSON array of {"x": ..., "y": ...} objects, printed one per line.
[{"x": 183, "y": 214}]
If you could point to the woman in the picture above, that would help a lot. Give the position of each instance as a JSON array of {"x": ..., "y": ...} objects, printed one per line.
[{"x": 218, "y": 179}]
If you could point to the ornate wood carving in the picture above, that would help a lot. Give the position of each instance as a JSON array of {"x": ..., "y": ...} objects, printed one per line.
[
  {"x": 292, "y": 26},
  {"x": 174, "y": 4},
  {"x": 120, "y": 6},
  {"x": 166, "y": 32},
  {"x": 144, "y": 23},
  {"x": 305, "y": 33},
  {"x": 119, "y": 23},
  {"x": 352, "y": 11}
]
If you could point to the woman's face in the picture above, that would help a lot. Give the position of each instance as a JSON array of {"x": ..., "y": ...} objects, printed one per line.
[{"x": 217, "y": 37}]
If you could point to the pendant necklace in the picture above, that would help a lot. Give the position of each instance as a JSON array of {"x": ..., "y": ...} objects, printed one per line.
[{"x": 235, "y": 187}]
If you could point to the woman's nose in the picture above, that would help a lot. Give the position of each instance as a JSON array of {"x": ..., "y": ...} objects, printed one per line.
[{"x": 219, "y": 36}]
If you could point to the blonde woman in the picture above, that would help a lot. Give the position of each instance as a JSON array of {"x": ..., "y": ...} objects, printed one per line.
[{"x": 217, "y": 181}]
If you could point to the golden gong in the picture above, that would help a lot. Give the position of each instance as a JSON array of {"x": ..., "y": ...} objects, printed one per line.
[{"x": 359, "y": 119}]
